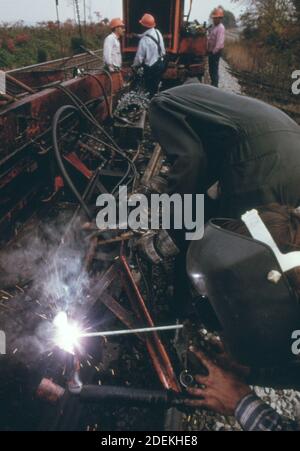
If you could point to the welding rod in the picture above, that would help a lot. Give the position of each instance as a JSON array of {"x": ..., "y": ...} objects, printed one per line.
[{"x": 131, "y": 331}]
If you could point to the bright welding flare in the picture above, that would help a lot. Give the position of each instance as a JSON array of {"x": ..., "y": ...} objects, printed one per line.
[{"x": 67, "y": 334}]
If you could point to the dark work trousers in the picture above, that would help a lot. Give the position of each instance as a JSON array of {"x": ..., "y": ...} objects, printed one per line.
[
  {"x": 214, "y": 62},
  {"x": 152, "y": 78}
]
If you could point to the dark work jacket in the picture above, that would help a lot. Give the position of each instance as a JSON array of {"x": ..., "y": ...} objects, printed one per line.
[{"x": 252, "y": 148}]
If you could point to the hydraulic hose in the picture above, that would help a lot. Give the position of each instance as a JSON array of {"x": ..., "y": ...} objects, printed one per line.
[
  {"x": 133, "y": 396},
  {"x": 81, "y": 107},
  {"x": 108, "y": 104},
  {"x": 95, "y": 394},
  {"x": 89, "y": 116},
  {"x": 59, "y": 159}
]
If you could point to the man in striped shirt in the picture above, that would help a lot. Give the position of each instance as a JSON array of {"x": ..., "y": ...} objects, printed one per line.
[
  {"x": 223, "y": 391},
  {"x": 253, "y": 334},
  {"x": 216, "y": 43}
]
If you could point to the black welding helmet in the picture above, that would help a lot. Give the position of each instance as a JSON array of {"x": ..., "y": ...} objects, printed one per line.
[{"x": 245, "y": 281}]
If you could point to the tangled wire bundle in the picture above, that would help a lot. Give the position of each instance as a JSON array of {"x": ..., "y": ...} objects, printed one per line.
[{"x": 132, "y": 105}]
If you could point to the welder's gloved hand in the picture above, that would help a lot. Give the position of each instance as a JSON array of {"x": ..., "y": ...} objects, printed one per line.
[{"x": 221, "y": 390}]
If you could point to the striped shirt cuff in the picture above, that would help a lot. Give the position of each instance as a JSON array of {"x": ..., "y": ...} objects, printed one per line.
[{"x": 254, "y": 415}]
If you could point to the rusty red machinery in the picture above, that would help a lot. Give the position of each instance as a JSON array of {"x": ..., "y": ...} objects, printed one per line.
[
  {"x": 25, "y": 129},
  {"x": 186, "y": 42},
  {"x": 26, "y": 151},
  {"x": 26, "y": 166}
]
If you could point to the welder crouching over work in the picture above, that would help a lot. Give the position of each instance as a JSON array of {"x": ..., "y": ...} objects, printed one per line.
[
  {"x": 242, "y": 153},
  {"x": 247, "y": 147},
  {"x": 249, "y": 271}
]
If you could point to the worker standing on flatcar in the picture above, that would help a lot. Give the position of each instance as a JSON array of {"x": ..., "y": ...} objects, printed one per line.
[
  {"x": 216, "y": 43},
  {"x": 112, "y": 54},
  {"x": 151, "y": 54}
]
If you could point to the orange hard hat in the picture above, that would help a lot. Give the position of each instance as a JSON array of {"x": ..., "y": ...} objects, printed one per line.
[
  {"x": 148, "y": 21},
  {"x": 218, "y": 13},
  {"x": 115, "y": 23}
]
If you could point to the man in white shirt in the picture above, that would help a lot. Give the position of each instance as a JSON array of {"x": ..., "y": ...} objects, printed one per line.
[
  {"x": 112, "y": 55},
  {"x": 151, "y": 54}
]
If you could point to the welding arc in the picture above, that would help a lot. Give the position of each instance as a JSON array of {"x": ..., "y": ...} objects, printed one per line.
[{"x": 131, "y": 331}]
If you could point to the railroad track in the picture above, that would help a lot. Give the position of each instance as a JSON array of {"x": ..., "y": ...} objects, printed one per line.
[
  {"x": 67, "y": 63},
  {"x": 279, "y": 96},
  {"x": 38, "y": 76}
]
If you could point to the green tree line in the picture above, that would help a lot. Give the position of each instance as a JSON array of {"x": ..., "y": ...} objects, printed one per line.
[
  {"x": 22, "y": 45},
  {"x": 275, "y": 23}
]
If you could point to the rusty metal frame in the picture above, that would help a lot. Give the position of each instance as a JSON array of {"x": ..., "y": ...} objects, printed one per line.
[
  {"x": 156, "y": 349},
  {"x": 40, "y": 108},
  {"x": 141, "y": 318}
]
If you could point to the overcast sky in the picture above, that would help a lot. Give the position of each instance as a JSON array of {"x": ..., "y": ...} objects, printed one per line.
[{"x": 32, "y": 11}]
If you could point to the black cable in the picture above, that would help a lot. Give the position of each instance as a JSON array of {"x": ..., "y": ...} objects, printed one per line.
[
  {"x": 190, "y": 11},
  {"x": 112, "y": 148},
  {"x": 79, "y": 102},
  {"x": 106, "y": 72},
  {"x": 48, "y": 130},
  {"x": 81, "y": 106},
  {"x": 56, "y": 121},
  {"x": 104, "y": 93},
  {"x": 100, "y": 141},
  {"x": 89, "y": 116},
  {"x": 59, "y": 159}
]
